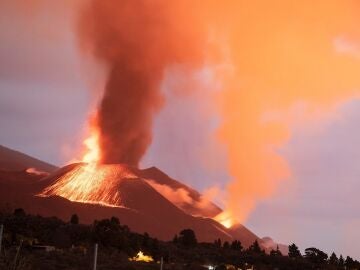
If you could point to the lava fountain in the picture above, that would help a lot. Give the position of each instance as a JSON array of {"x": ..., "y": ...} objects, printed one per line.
[
  {"x": 93, "y": 153},
  {"x": 90, "y": 181}
]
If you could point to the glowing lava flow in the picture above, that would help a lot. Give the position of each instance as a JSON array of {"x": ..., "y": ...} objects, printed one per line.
[
  {"x": 91, "y": 182},
  {"x": 225, "y": 219}
]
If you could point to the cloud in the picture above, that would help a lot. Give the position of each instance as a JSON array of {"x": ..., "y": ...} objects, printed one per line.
[
  {"x": 183, "y": 199},
  {"x": 178, "y": 196}
]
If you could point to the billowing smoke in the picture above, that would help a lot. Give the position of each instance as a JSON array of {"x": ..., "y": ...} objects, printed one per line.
[
  {"x": 273, "y": 60},
  {"x": 288, "y": 66},
  {"x": 136, "y": 41}
]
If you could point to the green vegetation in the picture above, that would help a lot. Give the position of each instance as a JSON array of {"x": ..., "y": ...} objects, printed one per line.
[{"x": 72, "y": 244}]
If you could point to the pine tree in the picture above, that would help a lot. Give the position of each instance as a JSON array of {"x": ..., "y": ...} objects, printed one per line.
[
  {"x": 294, "y": 251},
  {"x": 333, "y": 260},
  {"x": 74, "y": 219},
  {"x": 187, "y": 238},
  {"x": 255, "y": 247},
  {"x": 341, "y": 262},
  {"x": 236, "y": 245},
  {"x": 276, "y": 252},
  {"x": 218, "y": 243},
  {"x": 349, "y": 262},
  {"x": 226, "y": 245}
]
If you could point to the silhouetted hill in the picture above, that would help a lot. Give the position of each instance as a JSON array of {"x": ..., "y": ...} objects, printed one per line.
[{"x": 16, "y": 161}]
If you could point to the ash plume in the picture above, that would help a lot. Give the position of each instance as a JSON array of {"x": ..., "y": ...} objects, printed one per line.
[
  {"x": 270, "y": 62},
  {"x": 137, "y": 41}
]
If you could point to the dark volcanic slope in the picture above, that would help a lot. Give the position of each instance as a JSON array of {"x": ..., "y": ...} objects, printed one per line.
[
  {"x": 144, "y": 208},
  {"x": 12, "y": 160}
]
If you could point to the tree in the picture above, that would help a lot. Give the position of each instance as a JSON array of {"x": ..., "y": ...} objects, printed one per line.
[
  {"x": 349, "y": 262},
  {"x": 217, "y": 243},
  {"x": 315, "y": 255},
  {"x": 255, "y": 247},
  {"x": 294, "y": 251},
  {"x": 341, "y": 261},
  {"x": 226, "y": 245},
  {"x": 175, "y": 239},
  {"x": 19, "y": 212},
  {"x": 333, "y": 260},
  {"x": 108, "y": 233},
  {"x": 115, "y": 221},
  {"x": 74, "y": 220},
  {"x": 236, "y": 245},
  {"x": 276, "y": 252},
  {"x": 187, "y": 238}
]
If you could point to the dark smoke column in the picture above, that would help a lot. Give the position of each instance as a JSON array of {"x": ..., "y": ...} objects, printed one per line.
[{"x": 137, "y": 41}]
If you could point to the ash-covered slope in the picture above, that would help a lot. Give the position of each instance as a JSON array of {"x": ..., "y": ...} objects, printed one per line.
[{"x": 14, "y": 160}]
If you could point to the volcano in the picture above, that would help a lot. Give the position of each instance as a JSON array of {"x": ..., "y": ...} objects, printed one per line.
[{"x": 146, "y": 200}]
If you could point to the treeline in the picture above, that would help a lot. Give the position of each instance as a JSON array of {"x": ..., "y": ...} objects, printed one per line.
[{"x": 74, "y": 242}]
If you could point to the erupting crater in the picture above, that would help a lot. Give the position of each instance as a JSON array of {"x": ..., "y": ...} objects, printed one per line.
[
  {"x": 91, "y": 183},
  {"x": 94, "y": 182}
]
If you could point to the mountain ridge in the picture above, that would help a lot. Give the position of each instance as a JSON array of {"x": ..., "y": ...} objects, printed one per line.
[{"x": 15, "y": 160}]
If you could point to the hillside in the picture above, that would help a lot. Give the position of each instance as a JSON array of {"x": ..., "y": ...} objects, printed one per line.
[{"x": 16, "y": 161}]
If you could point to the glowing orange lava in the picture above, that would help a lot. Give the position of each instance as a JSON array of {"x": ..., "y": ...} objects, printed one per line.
[
  {"x": 91, "y": 182},
  {"x": 226, "y": 219}
]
